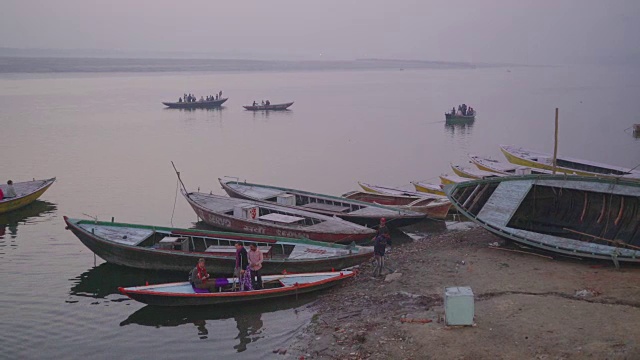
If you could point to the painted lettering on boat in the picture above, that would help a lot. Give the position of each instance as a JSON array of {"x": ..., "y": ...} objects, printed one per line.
[
  {"x": 254, "y": 229},
  {"x": 214, "y": 220},
  {"x": 290, "y": 234}
]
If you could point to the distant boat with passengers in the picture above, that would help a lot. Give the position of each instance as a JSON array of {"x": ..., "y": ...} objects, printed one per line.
[{"x": 190, "y": 101}]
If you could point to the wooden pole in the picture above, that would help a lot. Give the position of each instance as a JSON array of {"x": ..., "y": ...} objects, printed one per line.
[{"x": 555, "y": 145}]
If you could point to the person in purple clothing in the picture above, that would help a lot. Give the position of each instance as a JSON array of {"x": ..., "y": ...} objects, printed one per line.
[{"x": 241, "y": 270}]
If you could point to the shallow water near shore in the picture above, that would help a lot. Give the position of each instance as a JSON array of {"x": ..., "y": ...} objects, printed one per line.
[{"x": 109, "y": 141}]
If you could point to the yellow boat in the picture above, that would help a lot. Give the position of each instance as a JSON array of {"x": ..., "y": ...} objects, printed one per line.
[
  {"x": 473, "y": 173},
  {"x": 26, "y": 191},
  {"x": 503, "y": 168},
  {"x": 428, "y": 188},
  {"x": 447, "y": 179},
  {"x": 566, "y": 165}
]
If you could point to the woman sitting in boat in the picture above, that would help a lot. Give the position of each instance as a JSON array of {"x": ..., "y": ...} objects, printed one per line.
[{"x": 200, "y": 278}]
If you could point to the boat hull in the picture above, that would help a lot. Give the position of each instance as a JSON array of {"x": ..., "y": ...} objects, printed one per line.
[
  {"x": 274, "y": 107},
  {"x": 428, "y": 189},
  {"x": 433, "y": 208},
  {"x": 238, "y": 297},
  {"x": 174, "y": 260},
  {"x": 371, "y": 219},
  {"x": 196, "y": 104},
  {"x": 575, "y": 216},
  {"x": 22, "y": 201}
]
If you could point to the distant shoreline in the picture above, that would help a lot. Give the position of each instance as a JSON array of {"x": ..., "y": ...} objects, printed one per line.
[{"x": 42, "y": 65}]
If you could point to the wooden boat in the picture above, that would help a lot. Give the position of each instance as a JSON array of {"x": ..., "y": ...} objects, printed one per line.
[
  {"x": 355, "y": 211},
  {"x": 432, "y": 207},
  {"x": 272, "y": 219},
  {"x": 163, "y": 248},
  {"x": 447, "y": 179},
  {"x": 276, "y": 286},
  {"x": 428, "y": 188},
  {"x": 455, "y": 117},
  {"x": 473, "y": 173},
  {"x": 579, "y": 216},
  {"x": 26, "y": 193},
  {"x": 377, "y": 189},
  {"x": 566, "y": 165},
  {"x": 273, "y": 107},
  {"x": 196, "y": 104},
  {"x": 503, "y": 168}
]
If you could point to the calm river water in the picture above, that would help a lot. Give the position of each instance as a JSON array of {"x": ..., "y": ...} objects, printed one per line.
[{"x": 109, "y": 141}]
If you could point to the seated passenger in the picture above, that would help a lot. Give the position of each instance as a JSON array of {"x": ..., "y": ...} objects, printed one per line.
[
  {"x": 1, "y": 195},
  {"x": 10, "y": 191},
  {"x": 179, "y": 100},
  {"x": 199, "y": 278}
]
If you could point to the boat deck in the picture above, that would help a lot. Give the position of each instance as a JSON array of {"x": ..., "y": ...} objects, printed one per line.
[
  {"x": 121, "y": 235},
  {"x": 24, "y": 188}
]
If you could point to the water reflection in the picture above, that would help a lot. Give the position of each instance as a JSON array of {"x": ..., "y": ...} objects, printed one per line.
[
  {"x": 266, "y": 114},
  {"x": 460, "y": 129},
  {"x": 248, "y": 318},
  {"x": 27, "y": 215},
  {"x": 104, "y": 279}
]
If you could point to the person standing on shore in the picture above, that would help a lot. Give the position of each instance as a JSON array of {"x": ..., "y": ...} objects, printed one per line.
[
  {"x": 255, "y": 264},
  {"x": 382, "y": 239}
]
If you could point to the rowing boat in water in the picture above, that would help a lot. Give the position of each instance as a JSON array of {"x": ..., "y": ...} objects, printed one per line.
[
  {"x": 579, "y": 216},
  {"x": 504, "y": 168},
  {"x": 163, "y": 248},
  {"x": 261, "y": 218},
  {"x": 473, "y": 173},
  {"x": 355, "y": 211},
  {"x": 26, "y": 193},
  {"x": 275, "y": 286},
  {"x": 272, "y": 107},
  {"x": 428, "y": 188},
  {"x": 432, "y": 207},
  {"x": 571, "y": 166},
  {"x": 196, "y": 104},
  {"x": 456, "y": 117}
]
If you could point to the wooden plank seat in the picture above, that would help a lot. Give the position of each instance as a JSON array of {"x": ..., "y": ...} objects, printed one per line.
[{"x": 326, "y": 207}]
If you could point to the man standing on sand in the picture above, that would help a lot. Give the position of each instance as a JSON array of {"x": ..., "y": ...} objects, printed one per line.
[{"x": 382, "y": 239}]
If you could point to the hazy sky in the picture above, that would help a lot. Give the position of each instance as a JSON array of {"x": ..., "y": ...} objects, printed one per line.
[{"x": 521, "y": 31}]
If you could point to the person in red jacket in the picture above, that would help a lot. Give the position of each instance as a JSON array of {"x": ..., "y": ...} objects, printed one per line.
[
  {"x": 1, "y": 194},
  {"x": 200, "y": 278}
]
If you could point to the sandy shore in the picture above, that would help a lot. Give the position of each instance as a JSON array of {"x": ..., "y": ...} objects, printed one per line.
[{"x": 526, "y": 307}]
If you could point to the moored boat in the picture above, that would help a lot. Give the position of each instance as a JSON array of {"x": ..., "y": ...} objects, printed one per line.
[
  {"x": 567, "y": 165},
  {"x": 503, "y": 168},
  {"x": 275, "y": 286},
  {"x": 377, "y": 189},
  {"x": 195, "y": 104},
  {"x": 273, "y": 107},
  {"x": 355, "y": 211},
  {"x": 434, "y": 208},
  {"x": 573, "y": 215},
  {"x": 26, "y": 193},
  {"x": 473, "y": 173},
  {"x": 447, "y": 179},
  {"x": 255, "y": 217},
  {"x": 163, "y": 248},
  {"x": 428, "y": 188}
]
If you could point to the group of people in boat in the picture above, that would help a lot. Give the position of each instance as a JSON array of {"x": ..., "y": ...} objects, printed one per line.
[
  {"x": 9, "y": 191},
  {"x": 264, "y": 103},
  {"x": 463, "y": 110},
  {"x": 247, "y": 270},
  {"x": 190, "y": 98},
  {"x": 248, "y": 265}
]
